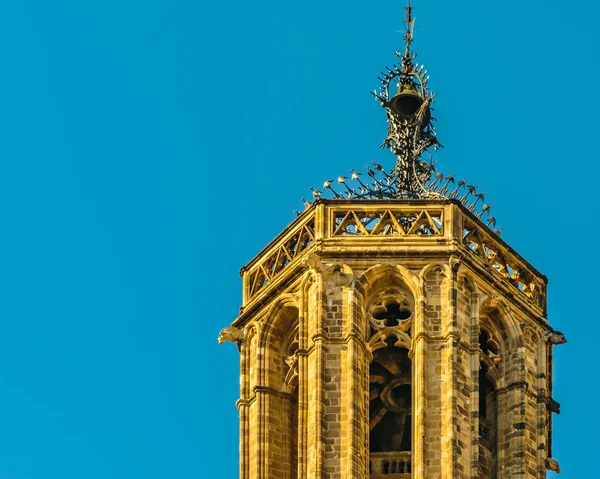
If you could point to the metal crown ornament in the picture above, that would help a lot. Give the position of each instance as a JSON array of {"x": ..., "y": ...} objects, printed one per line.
[{"x": 411, "y": 137}]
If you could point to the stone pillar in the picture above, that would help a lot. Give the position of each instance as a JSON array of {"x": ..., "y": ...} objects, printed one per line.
[
  {"x": 303, "y": 376},
  {"x": 421, "y": 408},
  {"x": 355, "y": 359},
  {"x": 542, "y": 404},
  {"x": 315, "y": 378}
]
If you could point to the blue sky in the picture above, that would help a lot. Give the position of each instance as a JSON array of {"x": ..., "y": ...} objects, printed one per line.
[{"x": 149, "y": 149}]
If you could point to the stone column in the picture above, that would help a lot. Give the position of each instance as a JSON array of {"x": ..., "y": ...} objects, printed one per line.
[
  {"x": 315, "y": 360},
  {"x": 420, "y": 407},
  {"x": 542, "y": 405},
  {"x": 355, "y": 359},
  {"x": 303, "y": 377}
]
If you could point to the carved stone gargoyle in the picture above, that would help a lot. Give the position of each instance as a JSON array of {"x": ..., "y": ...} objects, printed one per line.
[
  {"x": 230, "y": 333},
  {"x": 555, "y": 337},
  {"x": 553, "y": 406},
  {"x": 552, "y": 465}
]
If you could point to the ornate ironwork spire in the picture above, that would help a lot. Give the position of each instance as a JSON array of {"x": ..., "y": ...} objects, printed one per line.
[
  {"x": 411, "y": 138},
  {"x": 410, "y": 124}
]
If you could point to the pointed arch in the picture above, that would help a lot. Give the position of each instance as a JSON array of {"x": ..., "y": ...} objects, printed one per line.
[
  {"x": 382, "y": 275},
  {"x": 280, "y": 322},
  {"x": 391, "y": 300},
  {"x": 501, "y": 320},
  {"x": 443, "y": 268},
  {"x": 277, "y": 353},
  {"x": 499, "y": 338}
]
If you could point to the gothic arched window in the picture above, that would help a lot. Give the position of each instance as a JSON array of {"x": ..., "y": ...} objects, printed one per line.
[
  {"x": 290, "y": 415},
  {"x": 488, "y": 406},
  {"x": 390, "y": 388}
]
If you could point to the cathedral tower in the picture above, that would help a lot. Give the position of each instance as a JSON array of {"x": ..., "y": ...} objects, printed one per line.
[{"x": 389, "y": 332}]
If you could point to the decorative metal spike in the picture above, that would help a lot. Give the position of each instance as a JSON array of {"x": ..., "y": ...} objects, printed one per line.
[{"x": 411, "y": 135}]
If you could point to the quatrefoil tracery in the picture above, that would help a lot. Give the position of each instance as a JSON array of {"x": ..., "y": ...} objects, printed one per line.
[{"x": 390, "y": 318}]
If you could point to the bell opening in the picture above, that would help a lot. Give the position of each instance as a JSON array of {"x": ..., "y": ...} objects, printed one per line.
[{"x": 406, "y": 105}]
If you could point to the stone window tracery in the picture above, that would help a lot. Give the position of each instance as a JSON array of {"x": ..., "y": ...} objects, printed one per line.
[
  {"x": 290, "y": 359},
  {"x": 390, "y": 386},
  {"x": 290, "y": 384},
  {"x": 490, "y": 357}
]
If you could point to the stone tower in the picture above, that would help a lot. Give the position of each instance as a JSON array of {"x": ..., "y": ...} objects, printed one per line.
[{"x": 389, "y": 332}]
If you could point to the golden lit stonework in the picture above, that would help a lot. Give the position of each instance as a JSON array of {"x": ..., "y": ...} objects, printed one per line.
[{"x": 394, "y": 336}]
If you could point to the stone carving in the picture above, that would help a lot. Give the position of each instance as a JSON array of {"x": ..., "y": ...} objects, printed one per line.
[
  {"x": 230, "y": 333},
  {"x": 555, "y": 337},
  {"x": 553, "y": 406},
  {"x": 391, "y": 317},
  {"x": 394, "y": 311},
  {"x": 379, "y": 339},
  {"x": 491, "y": 352},
  {"x": 496, "y": 358},
  {"x": 455, "y": 263},
  {"x": 290, "y": 357},
  {"x": 552, "y": 465},
  {"x": 312, "y": 262}
]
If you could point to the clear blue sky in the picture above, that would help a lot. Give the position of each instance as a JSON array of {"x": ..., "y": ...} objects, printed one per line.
[{"x": 148, "y": 149}]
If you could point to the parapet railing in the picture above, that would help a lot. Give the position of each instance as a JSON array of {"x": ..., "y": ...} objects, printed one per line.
[
  {"x": 427, "y": 222},
  {"x": 504, "y": 263},
  {"x": 289, "y": 247},
  {"x": 387, "y": 221},
  {"x": 390, "y": 465}
]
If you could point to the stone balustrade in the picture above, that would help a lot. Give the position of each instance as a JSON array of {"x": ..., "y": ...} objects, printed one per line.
[
  {"x": 390, "y": 465},
  {"x": 330, "y": 226}
]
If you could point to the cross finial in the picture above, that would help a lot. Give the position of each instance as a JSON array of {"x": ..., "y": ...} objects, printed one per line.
[
  {"x": 409, "y": 22},
  {"x": 408, "y": 13}
]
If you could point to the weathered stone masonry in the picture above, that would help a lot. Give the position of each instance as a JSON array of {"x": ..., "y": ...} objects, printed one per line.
[{"x": 393, "y": 339}]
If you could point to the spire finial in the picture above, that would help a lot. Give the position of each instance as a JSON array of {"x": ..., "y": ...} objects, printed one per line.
[
  {"x": 409, "y": 22},
  {"x": 411, "y": 136},
  {"x": 410, "y": 124}
]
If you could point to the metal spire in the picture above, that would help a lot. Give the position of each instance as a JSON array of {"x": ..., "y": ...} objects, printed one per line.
[
  {"x": 411, "y": 135},
  {"x": 410, "y": 130},
  {"x": 409, "y": 28}
]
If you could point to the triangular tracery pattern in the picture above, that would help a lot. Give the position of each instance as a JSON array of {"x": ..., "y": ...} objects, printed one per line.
[
  {"x": 486, "y": 247},
  {"x": 387, "y": 223},
  {"x": 273, "y": 264}
]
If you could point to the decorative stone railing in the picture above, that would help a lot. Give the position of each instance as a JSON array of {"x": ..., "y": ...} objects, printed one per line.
[
  {"x": 287, "y": 248},
  {"x": 387, "y": 222},
  {"x": 358, "y": 223},
  {"x": 503, "y": 262},
  {"x": 390, "y": 465}
]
